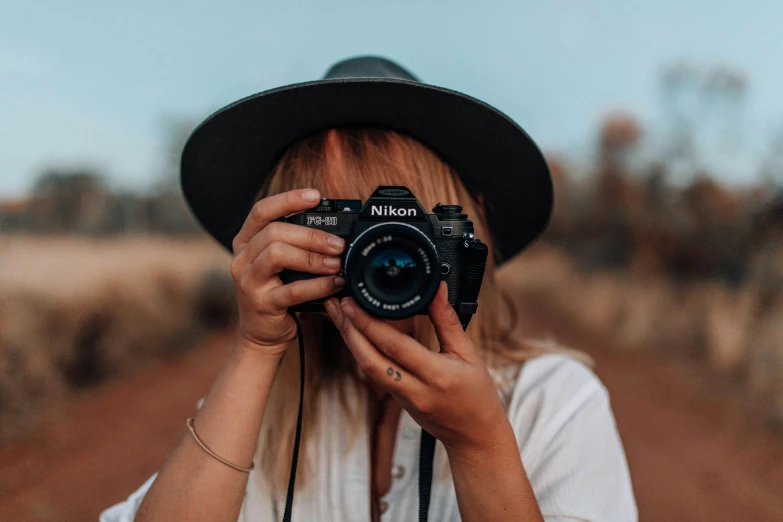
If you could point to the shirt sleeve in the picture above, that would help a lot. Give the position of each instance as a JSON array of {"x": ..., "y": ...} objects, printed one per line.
[
  {"x": 569, "y": 443},
  {"x": 126, "y": 510}
]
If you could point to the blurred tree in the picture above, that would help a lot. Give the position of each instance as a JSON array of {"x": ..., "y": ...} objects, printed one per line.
[
  {"x": 620, "y": 136},
  {"x": 725, "y": 90},
  {"x": 703, "y": 109},
  {"x": 61, "y": 181},
  {"x": 606, "y": 241},
  {"x": 714, "y": 234},
  {"x": 567, "y": 205},
  {"x": 67, "y": 199},
  {"x": 77, "y": 200},
  {"x": 679, "y": 83},
  {"x": 168, "y": 210},
  {"x": 772, "y": 165},
  {"x": 176, "y": 131}
]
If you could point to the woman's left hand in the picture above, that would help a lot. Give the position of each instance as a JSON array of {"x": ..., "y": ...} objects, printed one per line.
[{"x": 450, "y": 394}]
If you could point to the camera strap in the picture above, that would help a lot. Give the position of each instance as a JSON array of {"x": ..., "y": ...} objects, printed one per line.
[
  {"x": 426, "y": 460},
  {"x": 289, "y": 501},
  {"x": 475, "y": 255}
]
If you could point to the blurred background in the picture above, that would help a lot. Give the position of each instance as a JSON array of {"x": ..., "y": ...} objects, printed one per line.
[{"x": 663, "y": 125}]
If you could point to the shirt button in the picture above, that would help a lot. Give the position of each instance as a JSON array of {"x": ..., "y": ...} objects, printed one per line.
[
  {"x": 398, "y": 472},
  {"x": 383, "y": 506},
  {"x": 408, "y": 433}
]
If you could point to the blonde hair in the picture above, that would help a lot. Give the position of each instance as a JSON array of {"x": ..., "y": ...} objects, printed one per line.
[{"x": 350, "y": 164}]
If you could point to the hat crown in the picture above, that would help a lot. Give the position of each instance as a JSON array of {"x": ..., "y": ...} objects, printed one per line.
[{"x": 368, "y": 67}]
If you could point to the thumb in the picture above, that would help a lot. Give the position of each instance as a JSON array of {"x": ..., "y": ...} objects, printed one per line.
[{"x": 449, "y": 330}]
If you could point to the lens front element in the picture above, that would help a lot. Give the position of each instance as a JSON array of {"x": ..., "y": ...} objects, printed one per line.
[{"x": 393, "y": 270}]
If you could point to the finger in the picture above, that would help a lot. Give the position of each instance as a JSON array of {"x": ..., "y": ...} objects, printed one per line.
[
  {"x": 274, "y": 207},
  {"x": 374, "y": 364},
  {"x": 286, "y": 296},
  {"x": 297, "y": 235},
  {"x": 397, "y": 346},
  {"x": 279, "y": 256},
  {"x": 448, "y": 328},
  {"x": 332, "y": 306}
]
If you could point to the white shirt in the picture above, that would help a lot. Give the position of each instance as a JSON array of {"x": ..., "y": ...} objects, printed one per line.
[{"x": 564, "y": 427}]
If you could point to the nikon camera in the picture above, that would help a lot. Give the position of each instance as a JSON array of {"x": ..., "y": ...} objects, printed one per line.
[{"x": 397, "y": 254}]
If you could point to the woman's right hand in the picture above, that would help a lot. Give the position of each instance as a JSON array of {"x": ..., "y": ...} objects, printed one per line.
[{"x": 265, "y": 247}]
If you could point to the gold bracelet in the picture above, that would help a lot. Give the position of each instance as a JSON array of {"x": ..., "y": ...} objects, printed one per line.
[{"x": 212, "y": 453}]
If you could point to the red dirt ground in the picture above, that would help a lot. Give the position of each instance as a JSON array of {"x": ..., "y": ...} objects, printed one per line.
[{"x": 693, "y": 452}]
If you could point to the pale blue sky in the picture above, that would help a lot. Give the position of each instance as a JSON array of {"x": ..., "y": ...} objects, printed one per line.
[{"x": 91, "y": 82}]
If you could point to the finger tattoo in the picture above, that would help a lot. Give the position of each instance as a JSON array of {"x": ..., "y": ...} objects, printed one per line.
[{"x": 391, "y": 372}]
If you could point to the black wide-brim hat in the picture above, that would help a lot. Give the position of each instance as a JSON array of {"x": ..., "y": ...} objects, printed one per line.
[{"x": 227, "y": 158}]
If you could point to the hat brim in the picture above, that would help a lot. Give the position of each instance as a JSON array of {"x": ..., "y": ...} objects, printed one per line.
[{"x": 226, "y": 159}]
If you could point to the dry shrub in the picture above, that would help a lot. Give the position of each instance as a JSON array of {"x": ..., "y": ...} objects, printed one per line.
[
  {"x": 216, "y": 303},
  {"x": 726, "y": 327},
  {"x": 538, "y": 271},
  {"x": 643, "y": 302},
  {"x": 729, "y": 317},
  {"x": 594, "y": 301},
  {"x": 28, "y": 377},
  {"x": 75, "y": 310},
  {"x": 765, "y": 361}
]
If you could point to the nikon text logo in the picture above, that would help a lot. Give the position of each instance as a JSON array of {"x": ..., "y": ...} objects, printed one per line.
[{"x": 386, "y": 210}]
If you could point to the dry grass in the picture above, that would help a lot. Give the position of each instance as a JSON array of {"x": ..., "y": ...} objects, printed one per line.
[
  {"x": 75, "y": 310},
  {"x": 733, "y": 330}
]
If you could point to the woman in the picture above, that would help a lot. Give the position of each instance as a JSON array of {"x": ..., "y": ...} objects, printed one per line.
[{"x": 520, "y": 437}]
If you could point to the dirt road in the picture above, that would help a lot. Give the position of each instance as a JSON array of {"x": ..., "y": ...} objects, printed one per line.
[{"x": 693, "y": 453}]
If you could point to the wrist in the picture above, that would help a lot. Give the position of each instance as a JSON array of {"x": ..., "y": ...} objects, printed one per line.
[
  {"x": 493, "y": 438},
  {"x": 247, "y": 348}
]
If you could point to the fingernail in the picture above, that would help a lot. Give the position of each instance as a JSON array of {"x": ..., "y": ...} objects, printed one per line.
[
  {"x": 332, "y": 262},
  {"x": 348, "y": 308},
  {"x": 339, "y": 282},
  {"x": 310, "y": 195},
  {"x": 336, "y": 242}
]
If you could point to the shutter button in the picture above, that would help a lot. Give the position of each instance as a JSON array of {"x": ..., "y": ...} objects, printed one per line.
[
  {"x": 326, "y": 205},
  {"x": 398, "y": 472},
  {"x": 383, "y": 506}
]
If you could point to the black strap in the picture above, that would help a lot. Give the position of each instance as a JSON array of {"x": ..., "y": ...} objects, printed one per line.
[
  {"x": 474, "y": 262},
  {"x": 289, "y": 501},
  {"x": 426, "y": 459}
]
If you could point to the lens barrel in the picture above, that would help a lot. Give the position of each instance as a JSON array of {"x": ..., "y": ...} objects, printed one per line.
[{"x": 392, "y": 270}]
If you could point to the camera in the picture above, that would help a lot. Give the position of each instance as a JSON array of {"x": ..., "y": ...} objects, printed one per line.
[{"x": 397, "y": 254}]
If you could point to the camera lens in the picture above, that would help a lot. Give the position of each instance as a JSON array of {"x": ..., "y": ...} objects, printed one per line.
[{"x": 393, "y": 270}]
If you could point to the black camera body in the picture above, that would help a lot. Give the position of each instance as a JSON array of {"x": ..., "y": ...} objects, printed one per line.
[{"x": 397, "y": 254}]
